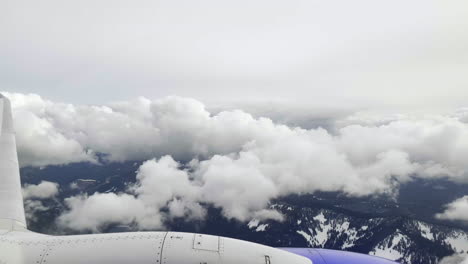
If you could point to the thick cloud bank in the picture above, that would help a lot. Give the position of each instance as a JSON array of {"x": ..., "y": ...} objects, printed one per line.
[
  {"x": 231, "y": 160},
  {"x": 456, "y": 210}
]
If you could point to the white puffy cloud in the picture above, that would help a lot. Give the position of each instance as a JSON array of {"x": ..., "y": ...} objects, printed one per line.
[
  {"x": 235, "y": 184},
  {"x": 40, "y": 140},
  {"x": 33, "y": 194},
  {"x": 239, "y": 162},
  {"x": 160, "y": 185},
  {"x": 90, "y": 213},
  {"x": 43, "y": 190},
  {"x": 437, "y": 144},
  {"x": 456, "y": 210},
  {"x": 165, "y": 190},
  {"x": 159, "y": 181},
  {"x": 455, "y": 259}
]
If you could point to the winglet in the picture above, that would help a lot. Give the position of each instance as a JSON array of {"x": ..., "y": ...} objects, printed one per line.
[{"x": 11, "y": 199}]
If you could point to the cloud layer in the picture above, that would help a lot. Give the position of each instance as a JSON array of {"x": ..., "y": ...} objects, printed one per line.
[{"x": 231, "y": 159}]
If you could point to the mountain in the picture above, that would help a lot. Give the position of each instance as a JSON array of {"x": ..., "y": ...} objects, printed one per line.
[{"x": 398, "y": 238}]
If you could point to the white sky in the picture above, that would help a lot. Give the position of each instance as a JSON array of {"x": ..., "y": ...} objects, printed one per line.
[{"x": 314, "y": 52}]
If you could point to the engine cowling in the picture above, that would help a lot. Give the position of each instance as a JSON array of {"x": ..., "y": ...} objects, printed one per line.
[{"x": 326, "y": 256}]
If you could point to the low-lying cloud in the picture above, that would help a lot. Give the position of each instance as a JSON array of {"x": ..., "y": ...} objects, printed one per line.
[
  {"x": 34, "y": 194},
  {"x": 231, "y": 159},
  {"x": 164, "y": 190},
  {"x": 456, "y": 210},
  {"x": 43, "y": 190},
  {"x": 455, "y": 259}
]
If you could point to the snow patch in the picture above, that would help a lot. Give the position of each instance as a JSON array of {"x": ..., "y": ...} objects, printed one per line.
[
  {"x": 389, "y": 249},
  {"x": 387, "y": 253},
  {"x": 261, "y": 228},
  {"x": 426, "y": 231},
  {"x": 253, "y": 223},
  {"x": 352, "y": 236},
  {"x": 307, "y": 237},
  {"x": 320, "y": 217}
]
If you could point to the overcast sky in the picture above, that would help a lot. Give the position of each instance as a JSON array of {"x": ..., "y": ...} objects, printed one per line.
[{"x": 322, "y": 52}]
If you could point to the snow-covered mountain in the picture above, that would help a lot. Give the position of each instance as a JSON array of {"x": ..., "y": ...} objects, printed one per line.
[{"x": 405, "y": 240}]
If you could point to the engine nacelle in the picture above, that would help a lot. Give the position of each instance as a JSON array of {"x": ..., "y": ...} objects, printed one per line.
[{"x": 326, "y": 256}]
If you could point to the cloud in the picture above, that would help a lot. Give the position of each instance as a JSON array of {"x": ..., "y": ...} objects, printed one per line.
[
  {"x": 90, "y": 213},
  {"x": 40, "y": 139},
  {"x": 42, "y": 190},
  {"x": 237, "y": 185},
  {"x": 233, "y": 160},
  {"x": 163, "y": 183},
  {"x": 33, "y": 194},
  {"x": 456, "y": 210},
  {"x": 162, "y": 191},
  {"x": 32, "y": 207},
  {"x": 455, "y": 259}
]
